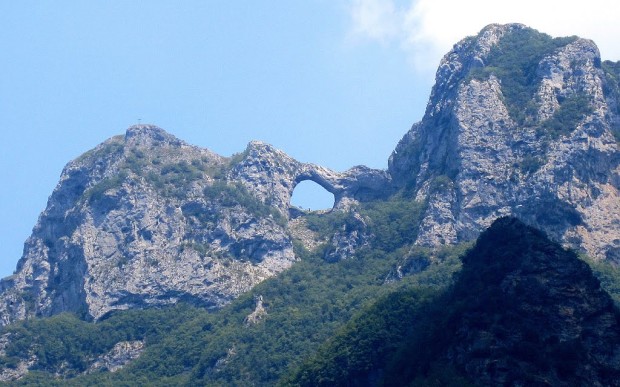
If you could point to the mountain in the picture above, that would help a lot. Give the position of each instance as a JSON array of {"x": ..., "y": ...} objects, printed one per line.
[
  {"x": 518, "y": 123},
  {"x": 523, "y": 311},
  {"x": 169, "y": 264},
  {"x": 253, "y": 340},
  {"x": 145, "y": 219}
]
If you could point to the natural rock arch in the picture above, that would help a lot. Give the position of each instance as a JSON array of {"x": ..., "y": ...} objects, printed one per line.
[
  {"x": 321, "y": 199},
  {"x": 271, "y": 175}
]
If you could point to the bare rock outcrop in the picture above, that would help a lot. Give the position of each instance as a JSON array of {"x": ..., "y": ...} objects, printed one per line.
[
  {"x": 517, "y": 124},
  {"x": 118, "y": 357}
]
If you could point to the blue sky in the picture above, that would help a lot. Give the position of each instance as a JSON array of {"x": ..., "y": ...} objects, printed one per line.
[{"x": 330, "y": 82}]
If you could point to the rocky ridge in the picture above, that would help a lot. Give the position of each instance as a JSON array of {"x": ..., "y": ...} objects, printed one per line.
[{"x": 145, "y": 219}]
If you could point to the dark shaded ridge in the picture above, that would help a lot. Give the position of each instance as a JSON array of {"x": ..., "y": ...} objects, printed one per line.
[{"x": 523, "y": 311}]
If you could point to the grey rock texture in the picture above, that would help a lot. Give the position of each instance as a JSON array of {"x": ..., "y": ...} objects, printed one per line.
[
  {"x": 257, "y": 314},
  {"x": 272, "y": 176},
  {"x": 145, "y": 219},
  {"x": 118, "y": 357},
  {"x": 472, "y": 159}
]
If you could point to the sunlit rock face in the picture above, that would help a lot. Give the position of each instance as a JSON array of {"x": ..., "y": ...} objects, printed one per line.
[
  {"x": 518, "y": 124},
  {"x": 145, "y": 219}
]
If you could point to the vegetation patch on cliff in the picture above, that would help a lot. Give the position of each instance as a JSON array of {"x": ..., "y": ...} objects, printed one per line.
[
  {"x": 514, "y": 60},
  {"x": 572, "y": 110}
]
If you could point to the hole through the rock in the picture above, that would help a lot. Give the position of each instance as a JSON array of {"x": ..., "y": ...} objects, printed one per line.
[{"x": 309, "y": 195}]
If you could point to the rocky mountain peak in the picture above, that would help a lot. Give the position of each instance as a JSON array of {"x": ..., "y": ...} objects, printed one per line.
[
  {"x": 151, "y": 139},
  {"x": 468, "y": 54},
  {"x": 518, "y": 123},
  {"x": 147, "y": 132}
]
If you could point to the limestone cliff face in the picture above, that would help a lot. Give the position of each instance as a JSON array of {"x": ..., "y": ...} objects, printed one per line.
[
  {"x": 518, "y": 124},
  {"x": 145, "y": 219}
]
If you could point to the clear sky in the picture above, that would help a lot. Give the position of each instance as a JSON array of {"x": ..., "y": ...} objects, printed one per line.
[{"x": 333, "y": 82}]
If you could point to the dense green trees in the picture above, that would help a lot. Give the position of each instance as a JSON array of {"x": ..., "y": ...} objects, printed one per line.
[
  {"x": 305, "y": 306},
  {"x": 499, "y": 321},
  {"x": 326, "y": 323}
]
